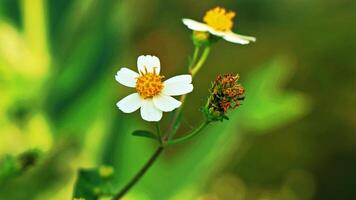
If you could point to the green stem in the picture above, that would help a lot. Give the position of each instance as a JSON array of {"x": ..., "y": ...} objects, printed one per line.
[
  {"x": 193, "y": 70},
  {"x": 189, "y": 136},
  {"x": 158, "y": 129},
  {"x": 201, "y": 61},
  {"x": 139, "y": 174},
  {"x": 176, "y": 118},
  {"x": 195, "y": 56}
]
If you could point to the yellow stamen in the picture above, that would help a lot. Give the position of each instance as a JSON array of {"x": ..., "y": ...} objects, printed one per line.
[
  {"x": 219, "y": 19},
  {"x": 149, "y": 84}
]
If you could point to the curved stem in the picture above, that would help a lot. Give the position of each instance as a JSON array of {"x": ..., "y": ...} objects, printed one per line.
[
  {"x": 189, "y": 136},
  {"x": 201, "y": 61},
  {"x": 139, "y": 174}
]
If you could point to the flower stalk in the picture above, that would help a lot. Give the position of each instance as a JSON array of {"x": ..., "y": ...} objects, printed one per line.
[
  {"x": 193, "y": 71},
  {"x": 158, "y": 129},
  {"x": 190, "y": 135},
  {"x": 195, "y": 57},
  {"x": 139, "y": 174},
  {"x": 201, "y": 61}
]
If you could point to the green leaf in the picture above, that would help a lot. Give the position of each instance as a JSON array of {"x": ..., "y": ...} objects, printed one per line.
[
  {"x": 147, "y": 134},
  {"x": 268, "y": 105},
  {"x": 10, "y": 166},
  {"x": 94, "y": 183},
  {"x": 34, "y": 170}
]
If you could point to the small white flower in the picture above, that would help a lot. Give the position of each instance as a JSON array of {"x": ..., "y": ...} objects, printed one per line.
[
  {"x": 152, "y": 95},
  {"x": 219, "y": 23}
]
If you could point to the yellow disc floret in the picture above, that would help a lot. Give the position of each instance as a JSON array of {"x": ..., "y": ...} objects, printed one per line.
[
  {"x": 219, "y": 19},
  {"x": 149, "y": 84}
]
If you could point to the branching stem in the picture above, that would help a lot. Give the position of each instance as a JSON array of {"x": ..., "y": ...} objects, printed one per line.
[
  {"x": 190, "y": 135},
  {"x": 193, "y": 69}
]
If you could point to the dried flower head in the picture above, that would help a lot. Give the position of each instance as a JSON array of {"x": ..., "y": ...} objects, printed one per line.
[{"x": 226, "y": 93}]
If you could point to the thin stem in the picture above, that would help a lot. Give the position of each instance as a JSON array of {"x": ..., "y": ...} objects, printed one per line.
[
  {"x": 201, "y": 61},
  {"x": 193, "y": 70},
  {"x": 139, "y": 175},
  {"x": 189, "y": 136},
  {"x": 158, "y": 129},
  {"x": 195, "y": 56},
  {"x": 176, "y": 120}
]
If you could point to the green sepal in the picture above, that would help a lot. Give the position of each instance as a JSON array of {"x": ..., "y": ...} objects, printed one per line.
[{"x": 208, "y": 41}]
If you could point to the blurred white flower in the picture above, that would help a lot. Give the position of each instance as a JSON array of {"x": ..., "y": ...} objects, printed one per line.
[
  {"x": 219, "y": 22},
  {"x": 152, "y": 95}
]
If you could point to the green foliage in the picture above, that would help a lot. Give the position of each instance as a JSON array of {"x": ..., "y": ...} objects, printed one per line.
[
  {"x": 94, "y": 183},
  {"x": 146, "y": 134},
  {"x": 11, "y": 166},
  {"x": 53, "y": 171},
  {"x": 90, "y": 40},
  {"x": 267, "y": 105}
]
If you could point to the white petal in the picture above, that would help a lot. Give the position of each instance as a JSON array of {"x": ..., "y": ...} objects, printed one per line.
[
  {"x": 217, "y": 33},
  {"x": 166, "y": 103},
  {"x": 151, "y": 63},
  {"x": 149, "y": 112},
  {"x": 186, "y": 78},
  {"x": 239, "y": 39},
  {"x": 130, "y": 103},
  {"x": 177, "y": 89},
  {"x": 126, "y": 77},
  {"x": 195, "y": 26}
]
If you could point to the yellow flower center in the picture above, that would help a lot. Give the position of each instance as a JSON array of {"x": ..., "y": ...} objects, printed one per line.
[
  {"x": 200, "y": 35},
  {"x": 149, "y": 84},
  {"x": 219, "y": 19}
]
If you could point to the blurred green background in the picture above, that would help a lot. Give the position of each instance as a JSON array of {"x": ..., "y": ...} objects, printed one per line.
[{"x": 292, "y": 139}]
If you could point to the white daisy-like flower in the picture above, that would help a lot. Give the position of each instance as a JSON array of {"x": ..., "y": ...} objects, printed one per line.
[
  {"x": 153, "y": 95},
  {"x": 219, "y": 22}
]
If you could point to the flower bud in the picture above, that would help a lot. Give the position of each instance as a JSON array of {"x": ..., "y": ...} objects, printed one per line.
[
  {"x": 201, "y": 38},
  {"x": 225, "y": 94}
]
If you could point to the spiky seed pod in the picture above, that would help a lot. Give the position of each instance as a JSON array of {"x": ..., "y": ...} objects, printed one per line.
[{"x": 225, "y": 94}]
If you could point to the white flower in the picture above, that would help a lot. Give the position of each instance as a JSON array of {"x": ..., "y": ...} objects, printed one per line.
[
  {"x": 219, "y": 23},
  {"x": 152, "y": 95}
]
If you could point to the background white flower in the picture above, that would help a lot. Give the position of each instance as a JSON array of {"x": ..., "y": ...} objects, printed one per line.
[
  {"x": 219, "y": 23},
  {"x": 153, "y": 95}
]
